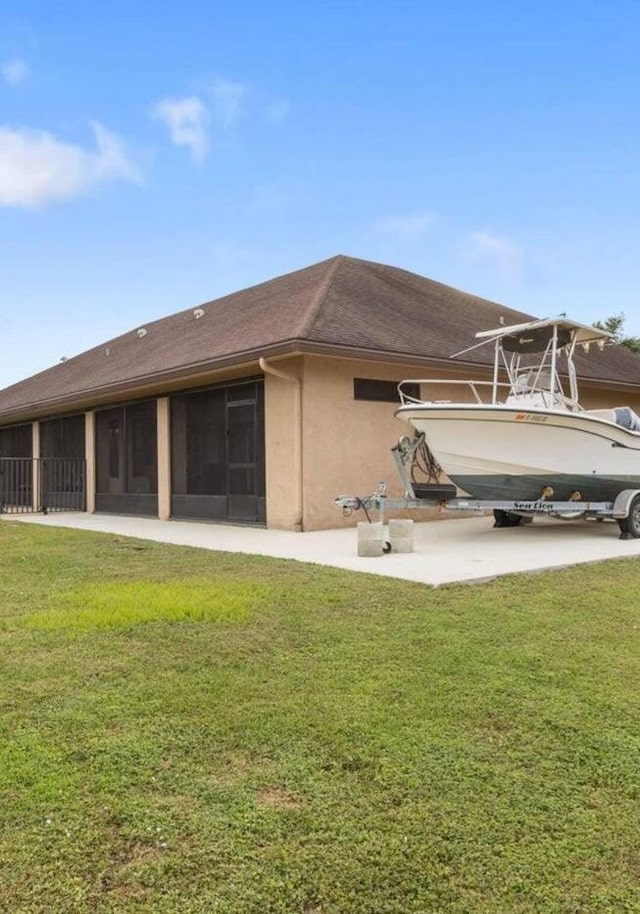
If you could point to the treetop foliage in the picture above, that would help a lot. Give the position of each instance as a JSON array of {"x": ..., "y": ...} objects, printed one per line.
[{"x": 615, "y": 325}]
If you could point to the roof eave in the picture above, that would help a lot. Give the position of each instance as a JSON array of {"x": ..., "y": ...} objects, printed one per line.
[
  {"x": 154, "y": 382},
  {"x": 184, "y": 376}
]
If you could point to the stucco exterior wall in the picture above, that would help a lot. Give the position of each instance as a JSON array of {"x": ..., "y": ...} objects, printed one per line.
[
  {"x": 90, "y": 458},
  {"x": 599, "y": 398},
  {"x": 347, "y": 442},
  {"x": 283, "y": 454},
  {"x": 163, "y": 431}
]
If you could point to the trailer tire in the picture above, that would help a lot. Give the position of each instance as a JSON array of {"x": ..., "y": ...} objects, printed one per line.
[
  {"x": 630, "y": 525},
  {"x": 506, "y": 518}
]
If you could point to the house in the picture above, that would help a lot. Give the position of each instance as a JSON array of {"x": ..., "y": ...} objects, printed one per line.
[{"x": 262, "y": 406}]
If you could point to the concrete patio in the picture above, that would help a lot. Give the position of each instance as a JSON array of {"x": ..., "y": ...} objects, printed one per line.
[{"x": 446, "y": 551}]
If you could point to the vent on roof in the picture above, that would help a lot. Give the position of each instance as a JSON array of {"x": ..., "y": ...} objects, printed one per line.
[
  {"x": 107, "y": 351},
  {"x": 141, "y": 332},
  {"x": 63, "y": 358},
  {"x": 198, "y": 313}
]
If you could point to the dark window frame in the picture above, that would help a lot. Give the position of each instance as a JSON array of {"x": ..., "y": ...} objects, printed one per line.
[{"x": 377, "y": 390}]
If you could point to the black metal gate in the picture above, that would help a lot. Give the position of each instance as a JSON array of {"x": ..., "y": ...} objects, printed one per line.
[
  {"x": 46, "y": 484},
  {"x": 62, "y": 483},
  {"x": 16, "y": 485}
]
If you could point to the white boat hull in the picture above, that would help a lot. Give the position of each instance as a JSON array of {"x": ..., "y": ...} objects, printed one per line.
[{"x": 500, "y": 452}]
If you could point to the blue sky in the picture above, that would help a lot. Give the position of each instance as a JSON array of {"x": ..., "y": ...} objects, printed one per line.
[{"x": 154, "y": 156}]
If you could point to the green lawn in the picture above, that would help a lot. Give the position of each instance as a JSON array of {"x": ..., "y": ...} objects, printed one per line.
[{"x": 185, "y": 731}]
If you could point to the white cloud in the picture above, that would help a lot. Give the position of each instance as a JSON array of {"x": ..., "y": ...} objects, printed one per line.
[
  {"x": 187, "y": 120},
  {"x": 14, "y": 71},
  {"x": 405, "y": 227},
  {"x": 37, "y": 168},
  {"x": 500, "y": 251},
  {"x": 111, "y": 161},
  {"x": 228, "y": 99}
]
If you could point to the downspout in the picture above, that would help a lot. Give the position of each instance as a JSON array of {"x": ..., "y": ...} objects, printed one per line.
[{"x": 297, "y": 439}]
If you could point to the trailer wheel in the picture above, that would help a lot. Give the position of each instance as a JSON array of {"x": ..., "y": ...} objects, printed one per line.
[
  {"x": 507, "y": 519},
  {"x": 630, "y": 525}
]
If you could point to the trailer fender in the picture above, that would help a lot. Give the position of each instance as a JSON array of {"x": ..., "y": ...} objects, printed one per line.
[{"x": 622, "y": 504}]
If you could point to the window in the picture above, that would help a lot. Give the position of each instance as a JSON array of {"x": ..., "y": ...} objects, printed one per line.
[{"x": 382, "y": 391}]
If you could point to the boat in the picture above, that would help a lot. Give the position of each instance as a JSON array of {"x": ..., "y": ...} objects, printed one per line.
[{"x": 524, "y": 436}]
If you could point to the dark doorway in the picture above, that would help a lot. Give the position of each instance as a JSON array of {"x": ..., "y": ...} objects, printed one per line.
[
  {"x": 127, "y": 459},
  {"x": 217, "y": 454}
]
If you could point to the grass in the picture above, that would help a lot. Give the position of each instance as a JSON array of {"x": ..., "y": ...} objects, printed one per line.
[
  {"x": 119, "y": 605},
  {"x": 185, "y": 731}
]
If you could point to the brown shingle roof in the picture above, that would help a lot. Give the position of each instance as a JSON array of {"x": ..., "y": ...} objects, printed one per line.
[{"x": 339, "y": 305}]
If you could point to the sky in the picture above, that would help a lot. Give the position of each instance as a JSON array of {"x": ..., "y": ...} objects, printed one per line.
[{"x": 155, "y": 156}]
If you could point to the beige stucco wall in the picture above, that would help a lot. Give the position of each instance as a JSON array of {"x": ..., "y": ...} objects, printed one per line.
[
  {"x": 36, "y": 454},
  {"x": 90, "y": 457},
  {"x": 284, "y": 454},
  {"x": 163, "y": 432},
  {"x": 347, "y": 442},
  {"x": 599, "y": 398}
]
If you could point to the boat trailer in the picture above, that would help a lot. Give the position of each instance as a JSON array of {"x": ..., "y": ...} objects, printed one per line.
[{"x": 625, "y": 509}]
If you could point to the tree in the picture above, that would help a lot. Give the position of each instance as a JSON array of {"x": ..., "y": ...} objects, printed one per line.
[{"x": 615, "y": 326}]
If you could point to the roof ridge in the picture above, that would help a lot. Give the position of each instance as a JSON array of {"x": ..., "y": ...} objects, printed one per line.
[{"x": 321, "y": 293}]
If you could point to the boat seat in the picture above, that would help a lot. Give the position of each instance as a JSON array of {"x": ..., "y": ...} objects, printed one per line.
[
  {"x": 623, "y": 416},
  {"x": 627, "y": 418}
]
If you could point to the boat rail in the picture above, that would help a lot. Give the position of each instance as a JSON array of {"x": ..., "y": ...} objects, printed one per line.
[
  {"x": 530, "y": 396},
  {"x": 407, "y": 399}
]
